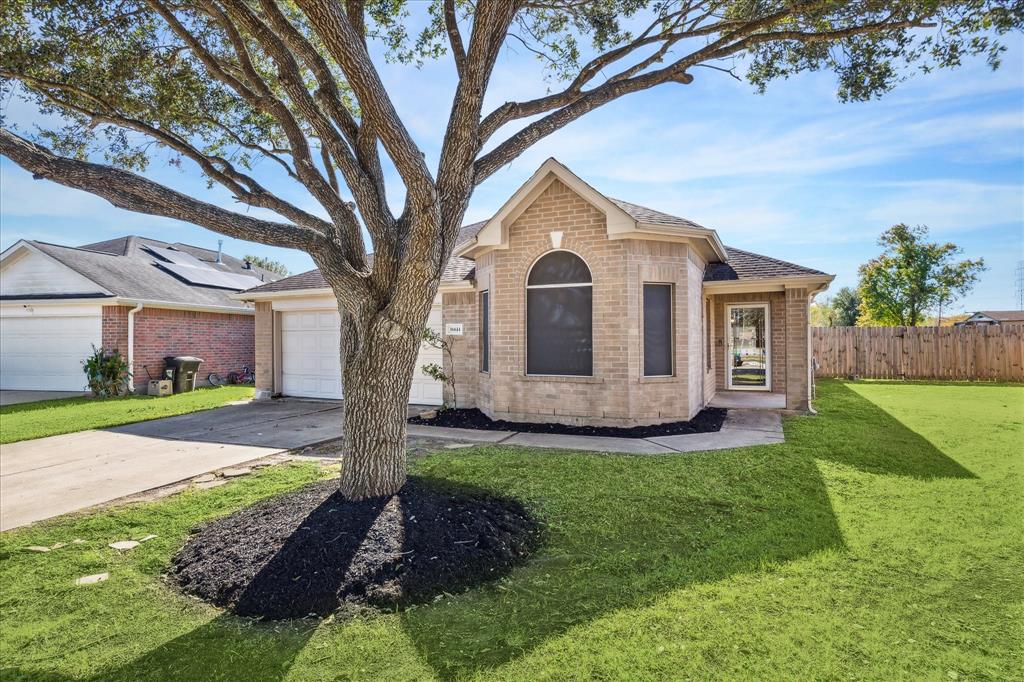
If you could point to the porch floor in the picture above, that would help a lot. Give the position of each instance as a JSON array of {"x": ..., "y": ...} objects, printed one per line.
[{"x": 749, "y": 400}]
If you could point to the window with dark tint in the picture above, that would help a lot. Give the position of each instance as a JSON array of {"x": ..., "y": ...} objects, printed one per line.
[
  {"x": 559, "y": 316},
  {"x": 657, "y": 330},
  {"x": 485, "y": 331}
]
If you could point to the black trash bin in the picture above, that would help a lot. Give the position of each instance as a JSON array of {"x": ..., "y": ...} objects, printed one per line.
[{"x": 183, "y": 369}]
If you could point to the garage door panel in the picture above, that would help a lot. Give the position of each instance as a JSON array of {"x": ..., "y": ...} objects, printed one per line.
[
  {"x": 311, "y": 364},
  {"x": 45, "y": 352}
]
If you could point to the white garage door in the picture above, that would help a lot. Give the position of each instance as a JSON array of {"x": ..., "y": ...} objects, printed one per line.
[
  {"x": 45, "y": 353},
  {"x": 311, "y": 366}
]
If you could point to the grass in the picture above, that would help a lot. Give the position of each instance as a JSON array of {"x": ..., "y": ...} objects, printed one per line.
[
  {"x": 68, "y": 415},
  {"x": 884, "y": 540}
]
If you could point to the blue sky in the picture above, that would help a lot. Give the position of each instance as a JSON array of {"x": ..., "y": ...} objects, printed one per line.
[{"x": 793, "y": 173}]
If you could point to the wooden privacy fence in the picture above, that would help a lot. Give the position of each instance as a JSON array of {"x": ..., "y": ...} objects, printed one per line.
[{"x": 982, "y": 353}]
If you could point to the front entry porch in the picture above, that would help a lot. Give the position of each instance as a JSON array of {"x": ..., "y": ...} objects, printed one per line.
[{"x": 749, "y": 400}]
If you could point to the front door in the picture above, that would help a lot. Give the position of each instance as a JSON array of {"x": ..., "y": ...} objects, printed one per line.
[{"x": 748, "y": 363}]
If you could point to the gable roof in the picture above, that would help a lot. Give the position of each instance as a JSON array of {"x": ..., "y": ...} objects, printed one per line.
[
  {"x": 125, "y": 268},
  {"x": 746, "y": 266},
  {"x": 622, "y": 218}
]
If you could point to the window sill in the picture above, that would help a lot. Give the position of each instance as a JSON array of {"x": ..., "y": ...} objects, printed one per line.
[
  {"x": 560, "y": 379},
  {"x": 658, "y": 380}
]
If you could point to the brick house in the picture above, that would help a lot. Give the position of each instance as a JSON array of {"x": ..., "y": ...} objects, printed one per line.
[
  {"x": 145, "y": 298},
  {"x": 573, "y": 307}
]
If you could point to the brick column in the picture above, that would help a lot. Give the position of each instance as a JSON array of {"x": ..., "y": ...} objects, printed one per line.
[
  {"x": 798, "y": 357},
  {"x": 264, "y": 338},
  {"x": 462, "y": 307}
]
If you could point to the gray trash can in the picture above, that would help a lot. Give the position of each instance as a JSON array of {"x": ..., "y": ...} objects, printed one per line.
[{"x": 183, "y": 369}]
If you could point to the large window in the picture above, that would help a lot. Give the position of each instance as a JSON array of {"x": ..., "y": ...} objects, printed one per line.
[
  {"x": 485, "y": 331},
  {"x": 657, "y": 330},
  {"x": 559, "y": 316}
]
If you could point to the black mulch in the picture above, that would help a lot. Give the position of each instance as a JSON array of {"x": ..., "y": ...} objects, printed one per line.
[
  {"x": 707, "y": 420},
  {"x": 311, "y": 552}
]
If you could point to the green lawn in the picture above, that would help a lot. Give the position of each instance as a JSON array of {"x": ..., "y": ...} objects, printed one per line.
[
  {"x": 51, "y": 417},
  {"x": 884, "y": 540}
]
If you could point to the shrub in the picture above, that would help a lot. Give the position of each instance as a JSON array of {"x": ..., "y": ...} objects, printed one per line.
[{"x": 106, "y": 372}]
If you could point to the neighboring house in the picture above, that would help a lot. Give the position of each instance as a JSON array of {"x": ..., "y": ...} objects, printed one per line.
[
  {"x": 577, "y": 308},
  {"x": 146, "y": 298},
  {"x": 986, "y": 318}
]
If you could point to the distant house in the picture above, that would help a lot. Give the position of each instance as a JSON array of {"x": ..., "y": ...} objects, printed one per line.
[
  {"x": 146, "y": 298},
  {"x": 988, "y": 318}
]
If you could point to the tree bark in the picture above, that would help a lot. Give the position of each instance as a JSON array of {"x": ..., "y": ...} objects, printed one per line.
[
  {"x": 376, "y": 379},
  {"x": 381, "y": 335}
]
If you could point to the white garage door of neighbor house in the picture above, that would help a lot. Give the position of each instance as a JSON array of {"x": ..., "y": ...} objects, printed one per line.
[
  {"x": 45, "y": 352},
  {"x": 311, "y": 367}
]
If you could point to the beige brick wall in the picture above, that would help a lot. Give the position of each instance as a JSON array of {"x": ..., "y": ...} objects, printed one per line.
[
  {"x": 617, "y": 394},
  {"x": 462, "y": 307},
  {"x": 264, "y": 338}
]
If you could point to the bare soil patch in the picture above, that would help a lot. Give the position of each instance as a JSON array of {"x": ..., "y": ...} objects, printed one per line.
[
  {"x": 312, "y": 552},
  {"x": 707, "y": 420}
]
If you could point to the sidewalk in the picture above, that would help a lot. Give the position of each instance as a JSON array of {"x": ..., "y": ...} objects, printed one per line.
[{"x": 741, "y": 428}]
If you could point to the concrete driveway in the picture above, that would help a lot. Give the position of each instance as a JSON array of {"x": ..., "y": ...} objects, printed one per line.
[
  {"x": 43, "y": 478},
  {"x": 10, "y": 397}
]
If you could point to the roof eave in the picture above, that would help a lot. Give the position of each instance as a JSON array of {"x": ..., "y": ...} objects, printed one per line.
[{"x": 816, "y": 284}]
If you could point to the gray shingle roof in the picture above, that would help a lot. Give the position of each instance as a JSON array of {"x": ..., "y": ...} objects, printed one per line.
[
  {"x": 744, "y": 265},
  {"x": 653, "y": 217},
  {"x": 1003, "y": 315},
  {"x": 457, "y": 270},
  {"x": 123, "y": 267},
  {"x": 135, "y": 246}
]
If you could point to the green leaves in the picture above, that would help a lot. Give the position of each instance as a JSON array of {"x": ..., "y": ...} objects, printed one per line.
[{"x": 912, "y": 277}]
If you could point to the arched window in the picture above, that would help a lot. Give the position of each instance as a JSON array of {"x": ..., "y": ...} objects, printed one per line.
[{"x": 559, "y": 316}]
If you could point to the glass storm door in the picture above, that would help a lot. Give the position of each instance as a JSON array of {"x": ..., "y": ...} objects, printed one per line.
[{"x": 748, "y": 365}]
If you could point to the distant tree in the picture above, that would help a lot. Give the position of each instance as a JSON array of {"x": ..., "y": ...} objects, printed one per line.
[
  {"x": 823, "y": 313},
  {"x": 268, "y": 264},
  {"x": 846, "y": 307},
  {"x": 912, "y": 277}
]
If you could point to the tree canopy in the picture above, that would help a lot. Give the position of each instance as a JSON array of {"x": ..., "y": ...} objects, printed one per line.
[
  {"x": 232, "y": 88},
  {"x": 912, "y": 277}
]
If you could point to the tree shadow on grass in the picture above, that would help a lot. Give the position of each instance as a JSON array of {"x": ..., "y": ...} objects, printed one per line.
[
  {"x": 225, "y": 648},
  {"x": 854, "y": 431},
  {"x": 621, "y": 533}
]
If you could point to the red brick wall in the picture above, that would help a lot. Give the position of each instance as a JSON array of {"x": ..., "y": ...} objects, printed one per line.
[{"x": 223, "y": 341}]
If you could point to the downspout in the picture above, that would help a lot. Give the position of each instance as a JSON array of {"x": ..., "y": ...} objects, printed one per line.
[{"x": 131, "y": 346}]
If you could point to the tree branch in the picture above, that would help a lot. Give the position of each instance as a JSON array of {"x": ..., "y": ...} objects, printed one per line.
[
  {"x": 451, "y": 25},
  {"x": 133, "y": 192},
  {"x": 569, "y": 105},
  {"x": 346, "y": 47}
]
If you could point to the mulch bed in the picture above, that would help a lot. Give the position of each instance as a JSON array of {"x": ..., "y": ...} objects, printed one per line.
[
  {"x": 707, "y": 420},
  {"x": 312, "y": 552}
]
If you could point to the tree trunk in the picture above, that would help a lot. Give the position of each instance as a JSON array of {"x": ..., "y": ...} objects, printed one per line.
[{"x": 377, "y": 376}]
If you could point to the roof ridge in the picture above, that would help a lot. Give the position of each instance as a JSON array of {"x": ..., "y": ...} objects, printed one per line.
[{"x": 73, "y": 248}]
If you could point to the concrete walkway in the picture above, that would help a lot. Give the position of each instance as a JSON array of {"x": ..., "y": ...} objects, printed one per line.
[{"x": 741, "y": 428}]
